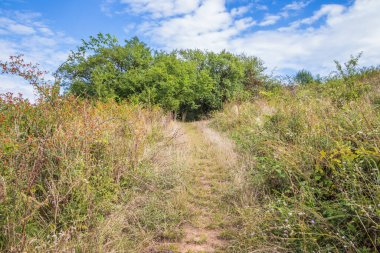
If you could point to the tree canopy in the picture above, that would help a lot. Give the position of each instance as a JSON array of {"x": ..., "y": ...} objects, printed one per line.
[
  {"x": 303, "y": 77},
  {"x": 190, "y": 83}
]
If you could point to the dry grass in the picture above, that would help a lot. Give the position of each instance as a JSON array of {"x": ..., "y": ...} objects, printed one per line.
[
  {"x": 87, "y": 177},
  {"x": 311, "y": 168},
  {"x": 208, "y": 180}
]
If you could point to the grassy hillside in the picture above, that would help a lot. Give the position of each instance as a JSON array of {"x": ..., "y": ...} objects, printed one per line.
[
  {"x": 114, "y": 174},
  {"x": 85, "y": 176},
  {"x": 311, "y": 180}
]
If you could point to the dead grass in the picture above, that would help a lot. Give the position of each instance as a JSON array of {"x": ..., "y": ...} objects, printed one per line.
[
  {"x": 89, "y": 177},
  {"x": 209, "y": 158}
]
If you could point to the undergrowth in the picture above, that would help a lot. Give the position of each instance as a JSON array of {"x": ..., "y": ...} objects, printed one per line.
[
  {"x": 84, "y": 176},
  {"x": 311, "y": 156}
]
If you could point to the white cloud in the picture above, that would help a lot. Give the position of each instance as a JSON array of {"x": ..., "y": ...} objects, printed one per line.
[
  {"x": 16, "y": 85},
  {"x": 332, "y": 32},
  {"x": 330, "y": 10},
  {"x": 240, "y": 10},
  {"x": 24, "y": 33},
  {"x": 10, "y": 26},
  {"x": 296, "y": 5},
  {"x": 105, "y": 7},
  {"x": 261, "y": 7},
  {"x": 346, "y": 31},
  {"x": 6, "y": 49},
  {"x": 46, "y": 31},
  {"x": 270, "y": 20},
  {"x": 211, "y": 26},
  {"x": 162, "y": 8},
  {"x": 21, "y": 29}
]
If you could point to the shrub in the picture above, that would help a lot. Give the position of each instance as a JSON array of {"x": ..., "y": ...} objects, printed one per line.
[
  {"x": 303, "y": 77},
  {"x": 314, "y": 166},
  {"x": 190, "y": 83},
  {"x": 67, "y": 165}
]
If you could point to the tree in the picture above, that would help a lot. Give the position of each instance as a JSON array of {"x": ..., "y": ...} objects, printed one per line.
[
  {"x": 253, "y": 73},
  {"x": 303, "y": 77},
  {"x": 190, "y": 83},
  {"x": 98, "y": 69}
]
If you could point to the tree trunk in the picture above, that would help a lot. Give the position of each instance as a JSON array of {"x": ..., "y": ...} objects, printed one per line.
[{"x": 184, "y": 116}]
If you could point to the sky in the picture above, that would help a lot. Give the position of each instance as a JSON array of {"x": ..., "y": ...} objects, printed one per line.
[{"x": 288, "y": 35}]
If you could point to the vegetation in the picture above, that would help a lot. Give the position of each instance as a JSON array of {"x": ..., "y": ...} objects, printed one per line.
[
  {"x": 78, "y": 175},
  {"x": 102, "y": 167},
  {"x": 312, "y": 165},
  {"x": 190, "y": 83},
  {"x": 303, "y": 77}
]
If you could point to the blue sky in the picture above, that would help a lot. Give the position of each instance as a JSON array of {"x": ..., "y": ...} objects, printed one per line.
[{"x": 288, "y": 35}]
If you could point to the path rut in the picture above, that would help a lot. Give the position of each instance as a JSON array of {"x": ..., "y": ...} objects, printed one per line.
[{"x": 212, "y": 155}]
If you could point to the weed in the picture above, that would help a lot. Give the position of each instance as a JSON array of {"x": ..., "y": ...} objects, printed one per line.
[{"x": 314, "y": 161}]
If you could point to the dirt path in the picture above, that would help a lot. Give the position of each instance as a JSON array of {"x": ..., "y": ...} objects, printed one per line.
[{"x": 211, "y": 157}]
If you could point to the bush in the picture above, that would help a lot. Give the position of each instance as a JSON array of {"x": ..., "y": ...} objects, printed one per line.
[
  {"x": 68, "y": 165},
  {"x": 314, "y": 165},
  {"x": 189, "y": 83},
  {"x": 303, "y": 77}
]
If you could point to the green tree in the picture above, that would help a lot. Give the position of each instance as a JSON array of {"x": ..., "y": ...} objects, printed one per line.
[
  {"x": 98, "y": 69},
  {"x": 303, "y": 77},
  {"x": 190, "y": 83}
]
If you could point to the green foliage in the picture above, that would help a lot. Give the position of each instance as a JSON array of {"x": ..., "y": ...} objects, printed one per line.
[
  {"x": 66, "y": 166},
  {"x": 347, "y": 84},
  {"x": 313, "y": 165},
  {"x": 303, "y": 77},
  {"x": 187, "y": 82},
  {"x": 310, "y": 180},
  {"x": 350, "y": 68}
]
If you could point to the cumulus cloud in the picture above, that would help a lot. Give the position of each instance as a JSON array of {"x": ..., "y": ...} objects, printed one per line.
[
  {"x": 185, "y": 23},
  {"x": 346, "y": 31},
  {"x": 332, "y": 32},
  {"x": 210, "y": 25}
]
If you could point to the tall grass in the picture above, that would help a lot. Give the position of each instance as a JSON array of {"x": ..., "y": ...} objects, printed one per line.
[
  {"x": 86, "y": 176},
  {"x": 66, "y": 168},
  {"x": 312, "y": 166}
]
